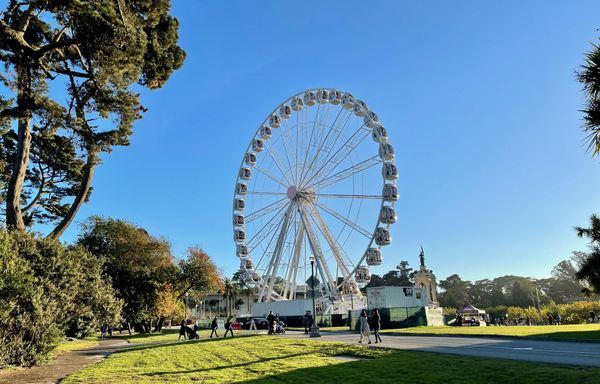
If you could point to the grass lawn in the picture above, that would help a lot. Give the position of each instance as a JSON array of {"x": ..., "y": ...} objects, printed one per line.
[
  {"x": 85, "y": 343},
  {"x": 265, "y": 359},
  {"x": 577, "y": 331},
  {"x": 168, "y": 335}
]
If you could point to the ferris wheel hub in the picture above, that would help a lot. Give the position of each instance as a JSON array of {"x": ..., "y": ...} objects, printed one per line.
[{"x": 292, "y": 192}]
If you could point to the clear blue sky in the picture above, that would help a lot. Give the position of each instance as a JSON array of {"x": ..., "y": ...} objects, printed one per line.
[{"x": 479, "y": 98}]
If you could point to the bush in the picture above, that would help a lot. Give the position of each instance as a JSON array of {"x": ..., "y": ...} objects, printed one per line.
[{"x": 47, "y": 290}]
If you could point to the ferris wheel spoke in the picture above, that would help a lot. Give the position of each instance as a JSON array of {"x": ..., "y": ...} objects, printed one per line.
[
  {"x": 344, "y": 220},
  {"x": 269, "y": 174},
  {"x": 293, "y": 264},
  {"x": 348, "y": 147},
  {"x": 346, "y": 173},
  {"x": 277, "y": 164},
  {"x": 347, "y": 196},
  {"x": 249, "y": 242},
  {"x": 265, "y": 210},
  {"x": 287, "y": 156},
  {"x": 264, "y": 193},
  {"x": 308, "y": 144},
  {"x": 322, "y": 144}
]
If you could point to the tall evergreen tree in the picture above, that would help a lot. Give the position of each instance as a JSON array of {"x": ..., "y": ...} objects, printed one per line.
[{"x": 96, "y": 52}]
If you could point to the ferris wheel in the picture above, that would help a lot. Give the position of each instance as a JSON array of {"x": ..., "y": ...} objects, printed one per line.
[{"x": 317, "y": 182}]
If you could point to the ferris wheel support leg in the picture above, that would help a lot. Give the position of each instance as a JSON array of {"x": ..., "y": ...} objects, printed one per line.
[
  {"x": 328, "y": 281},
  {"x": 278, "y": 249},
  {"x": 293, "y": 268},
  {"x": 332, "y": 244}
]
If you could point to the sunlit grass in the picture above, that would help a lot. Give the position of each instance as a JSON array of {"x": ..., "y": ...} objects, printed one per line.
[
  {"x": 576, "y": 331},
  {"x": 171, "y": 335},
  {"x": 264, "y": 359},
  {"x": 78, "y": 344}
]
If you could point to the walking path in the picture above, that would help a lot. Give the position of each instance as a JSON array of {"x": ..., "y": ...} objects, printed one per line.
[
  {"x": 544, "y": 351},
  {"x": 64, "y": 364}
]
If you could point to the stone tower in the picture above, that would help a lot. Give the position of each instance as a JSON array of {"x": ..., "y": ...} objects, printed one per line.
[{"x": 425, "y": 278}]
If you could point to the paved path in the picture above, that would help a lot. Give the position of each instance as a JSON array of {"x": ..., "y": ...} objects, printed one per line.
[
  {"x": 545, "y": 351},
  {"x": 64, "y": 364}
]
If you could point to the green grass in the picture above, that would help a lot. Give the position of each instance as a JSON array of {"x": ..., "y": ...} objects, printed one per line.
[
  {"x": 169, "y": 335},
  {"x": 266, "y": 359},
  {"x": 575, "y": 332},
  {"x": 85, "y": 343}
]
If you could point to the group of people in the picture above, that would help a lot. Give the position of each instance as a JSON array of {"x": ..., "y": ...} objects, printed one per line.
[
  {"x": 275, "y": 325},
  {"x": 192, "y": 333},
  {"x": 367, "y": 323}
]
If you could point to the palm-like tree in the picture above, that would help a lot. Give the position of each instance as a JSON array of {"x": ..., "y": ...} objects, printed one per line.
[
  {"x": 590, "y": 267},
  {"x": 589, "y": 77}
]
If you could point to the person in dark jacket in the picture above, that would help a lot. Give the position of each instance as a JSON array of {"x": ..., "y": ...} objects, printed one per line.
[
  {"x": 214, "y": 325},
  {"x": 376, "y": 320},
  {"x": 306, "y": 323},
  {"x": 182, "y": 330},
  {"x": 271, "y": 320},
  {"x": 228, "y": 327}
]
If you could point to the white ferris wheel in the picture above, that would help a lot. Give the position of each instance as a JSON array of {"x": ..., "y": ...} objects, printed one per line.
[{"x": 318, "y": 178}]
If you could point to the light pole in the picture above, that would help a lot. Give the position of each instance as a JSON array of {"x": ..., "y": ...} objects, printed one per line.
[
  {"x": 314, "y": 329},
  {"x": 186, "y": 305}
]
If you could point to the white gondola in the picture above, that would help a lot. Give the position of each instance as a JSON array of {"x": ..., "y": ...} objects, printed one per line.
[
  {"x": 362, "y": 275},
  {"x": 389, "y": 171},
  {"x": 251, "y": 159},
  {"x": 238, "y": 220},
  {"x": 348, "y": 101},
  {"x": 386, "y": 151},
  {"x": 379, "y": 134},
  {"x": 297, "y": 104},
  {"x": 252, "y": 275},
  {"x": 258, "y": 145},
  {"x": 360, "y": 108},
  {"x": 246, "y": 264},
  {"x": 239, "y": 235},
  {"x": 285, "y": 111},
  {"x": 266, "y": 132},
  {"x": 245, "y": 173},
  {"x": 322, "y": 96},
  {"x": 241, "y": 250},
  {"x": 382, "y": 236},
  {"x": 335, "y": 97},
  {"x": 241, "y": 189},
  {"x": 239, "y": 204},
  {"x": 274, "y": 121},
  {"x": 374, "y": 256},
  {"x": 390, "y": 192},
  {"x": 310, "y": 98},
  {"x": 387, "y": 215},
  {"x": 371, "y": 119}
]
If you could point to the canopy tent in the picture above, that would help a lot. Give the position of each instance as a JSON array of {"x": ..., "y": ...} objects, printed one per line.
[{"x": 471, "y": 310}]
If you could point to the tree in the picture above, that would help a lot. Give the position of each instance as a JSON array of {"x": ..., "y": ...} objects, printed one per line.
[
  {"x": 97, "y": 52},
  {"x": 589, "y": 77},
  {"x": 198, "y": 273},
  {"x": 589, "y": 270},
  {"x": 138, "y": 265},
  {"x": 405, "y": 274},
  {"x": 455, "y": 292}
]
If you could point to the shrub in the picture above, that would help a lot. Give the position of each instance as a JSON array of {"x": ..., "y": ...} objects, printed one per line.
[{"x": 47, "y": 290}]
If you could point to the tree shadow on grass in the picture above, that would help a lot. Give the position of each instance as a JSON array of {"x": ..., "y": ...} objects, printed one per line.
[
  {"x": 170, "y": 343},
  {"x": 584, "y": 335},
  {"x": 428, "y": 367}
]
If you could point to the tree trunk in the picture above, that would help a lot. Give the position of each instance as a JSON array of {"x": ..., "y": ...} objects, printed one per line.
[
  {"x": 14, "y": 217},
  {"x": 84, "y": 189}
]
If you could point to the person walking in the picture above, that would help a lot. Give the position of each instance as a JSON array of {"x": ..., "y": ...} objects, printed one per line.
[
  {"x": 228, "y": 327},
  {"x": 214, "y": 325},
  {"x": 253, "y": 326},
  {"x": 182, "y": 330},
  {"x": 592, "y": 316},
  {"x": 376, "y": 322},
  {"x": 103, "y": 329},
  {"x": 306, "y": 323},
  {"x": 557, "y": 318},
  {"x": 364, "y": 326},
  {"x": 271, "y": 321}
]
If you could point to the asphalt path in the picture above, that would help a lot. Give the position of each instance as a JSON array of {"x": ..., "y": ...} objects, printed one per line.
[{"x": 544, "y": 351}]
